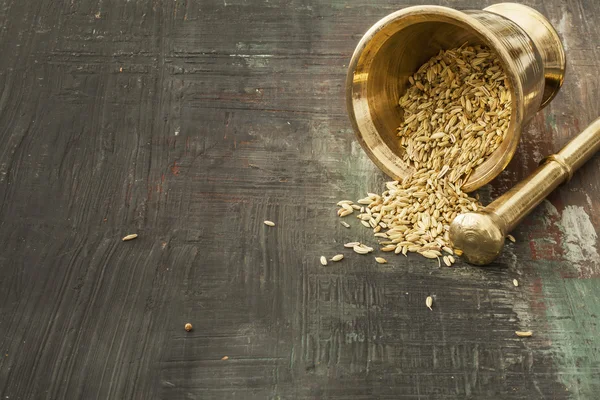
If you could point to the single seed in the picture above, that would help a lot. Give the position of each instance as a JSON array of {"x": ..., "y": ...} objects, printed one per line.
[
  {"x": 323, "y": 260},
  {"x": 360, "y": 250},
  {"x": 224, "y": 358},
  {"x": 429, "y": 254},
  {"x": 337, "y": 257},
  {"x": 345, "y": 224},
  {"x": 269, "y": 223},
  {"x": 381, "y": 260},
  {"x": 458, "y": 252},
  {"x": 351, "y": 244},
  {"x": 447, "y": 261},
  {"x": 429, "y": 302},
  {"x": 511, "y": 238},
  {"x": 524, "y": 333},
  {"x": 515, "y": 282},
  {"x": 130, "y": 237},
  {"x": 188, "y": 327}
]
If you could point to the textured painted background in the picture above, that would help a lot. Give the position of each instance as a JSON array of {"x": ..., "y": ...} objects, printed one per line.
[{"x": 190, "y": 122}]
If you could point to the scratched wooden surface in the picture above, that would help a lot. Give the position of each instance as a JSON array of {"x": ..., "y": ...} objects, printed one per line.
[{"x": 190, "y": 122}]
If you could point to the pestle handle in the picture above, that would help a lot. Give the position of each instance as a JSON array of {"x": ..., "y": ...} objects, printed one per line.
[{"x": 582, "y": 147}]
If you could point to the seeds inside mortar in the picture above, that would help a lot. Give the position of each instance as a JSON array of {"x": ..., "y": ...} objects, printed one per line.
[{"x": 457, "y": 110}]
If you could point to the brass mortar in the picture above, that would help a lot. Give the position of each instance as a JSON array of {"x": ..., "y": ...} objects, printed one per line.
[{"x": 395, "y": 47}]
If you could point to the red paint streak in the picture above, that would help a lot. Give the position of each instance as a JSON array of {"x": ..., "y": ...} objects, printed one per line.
[
  {"x": 532, "y": 248},
  {"x": 544, "y": 243},
  {"x": 537, "y": 288},
  {"x": 175, "y": 168}
]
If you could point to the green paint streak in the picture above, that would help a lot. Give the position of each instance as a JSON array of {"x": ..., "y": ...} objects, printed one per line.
[
  {"x": 573, "y": 307},
  {"x": 551, "y": 121}
]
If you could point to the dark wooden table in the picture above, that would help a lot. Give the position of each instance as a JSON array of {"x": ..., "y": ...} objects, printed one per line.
[{"x": 190, "y": 122}]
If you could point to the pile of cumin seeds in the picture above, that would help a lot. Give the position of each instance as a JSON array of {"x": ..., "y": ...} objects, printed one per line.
[{"x": 457, "y": 110}]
